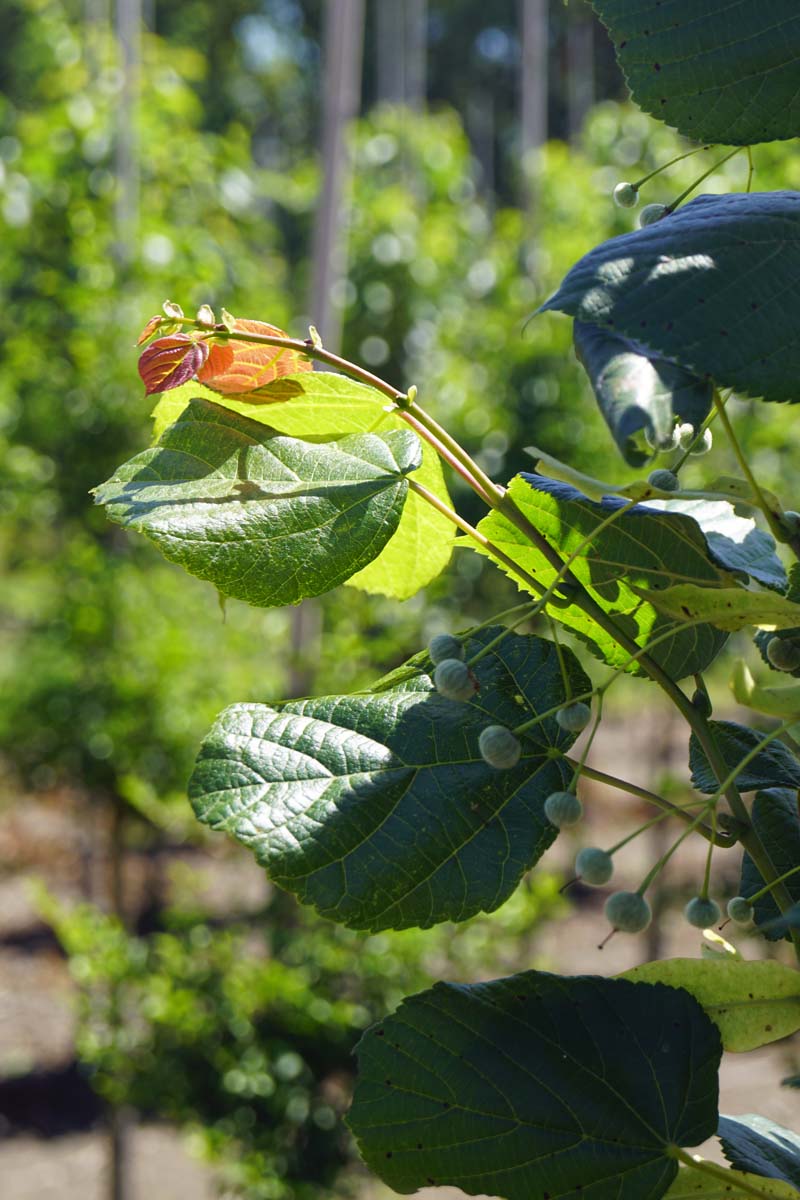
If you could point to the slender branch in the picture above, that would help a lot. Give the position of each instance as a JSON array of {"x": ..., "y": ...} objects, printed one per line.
[
  {"x": 445, "y": 454},
  {"x": 773, "y": 518}
]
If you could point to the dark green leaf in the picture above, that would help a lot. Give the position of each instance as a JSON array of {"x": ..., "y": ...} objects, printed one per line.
[
  {"x": 718, "y": 72},
  {"x": 775, "y": 819},
  {"x": 266, "y": 518},
  {"x": 639, "y": 391},
  {"x": 773, "y": 767},
  {"x": 756, "y": 1144},
  {"x": 792, "y": 1081},
  {"x": 377, "y": 808},
  {"x": 537, "y": 1085},
  {"x": 642, "y": 548},
  {"x": 713, "y": 287},
  {"x": 734, "y": 542}
]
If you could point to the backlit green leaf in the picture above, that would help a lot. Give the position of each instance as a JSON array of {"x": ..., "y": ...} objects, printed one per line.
[
  {"x": 718, "y": 72},
  {"x": 378, "y": 808},
  {"x": 537, "y": 1085},
  {"x": 266, "y": 518},
  {"x": 751, "y": 1003},
  {"x": 712, "y": 287},
  {"x": 642, "y": 548},
  {"x": 321, "y": 404},
  {"x": 728, "y": 608},
  {"x": 737, "y": 1185}
]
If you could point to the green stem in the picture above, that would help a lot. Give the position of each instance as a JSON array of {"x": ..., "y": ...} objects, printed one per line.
[
  {"x": 658, "y": 866},
  {"x": 720, "y": 161},
  {"x": 666, "y": 806},
  {"x": 768, "y": 887},
  {"x": 492, "y": 493},
  {"x": 665, "y": 166}
]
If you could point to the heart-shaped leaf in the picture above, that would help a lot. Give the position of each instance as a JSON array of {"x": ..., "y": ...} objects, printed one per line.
[
  {"x": 774, "y": 766},
  {"x": 641, "y": 548},
  {"x": 717, "y": 72},
  {"x": 753, "y": 1143},
  {"x": 266, "y": 518},
  {"x": 711, "y": 287},
  {"x": 638, "y": 391},
  {"x": 237, "y": 368},
  {"x": 537, "y": 1085},
  {"x": 378, "y": 808},
  {"x": 775, "y": 819}
]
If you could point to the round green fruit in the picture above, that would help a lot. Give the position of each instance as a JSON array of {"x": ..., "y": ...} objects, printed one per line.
[
  {"x": 628, "y": 912},
  {"x": 740, "y": 910},
  {"x": 626, "y": 195},
  {"x": 443, "y": 646},
  {"x": 704, "y": 445},
  {"x": 702, "y": 912},
  {"x": 563, "y": 809},
  {"x": 594, "y": 866},
  {"x": 574, "y": 717},
  {"x": 666, "y": 480},
  {"x": 651, "y": 213},
  {"x": 783, "y": 654},
  {"x": 452, "y": 679},
  {"x": 499, "y": 747}
]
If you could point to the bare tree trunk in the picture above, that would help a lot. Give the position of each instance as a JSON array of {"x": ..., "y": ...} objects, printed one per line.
[
  {"x": 390, "y": 30},
  {"x": 126, "y": 216},
  {"x": 580, "y": 68},
  {"x": 533, "y": 92},
  {"x": 344, "y": 39},
  {"x": 416, "y": 53}
]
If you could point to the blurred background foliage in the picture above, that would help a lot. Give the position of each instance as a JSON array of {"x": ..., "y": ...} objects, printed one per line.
[{"x": 200, "y": 184}]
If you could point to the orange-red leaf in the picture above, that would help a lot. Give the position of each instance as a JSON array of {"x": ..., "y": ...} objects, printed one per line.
[
  {"x": 149, "y": 329},
  {"x": 171, "y": 361},
  {"x": 242, "y": 368}
]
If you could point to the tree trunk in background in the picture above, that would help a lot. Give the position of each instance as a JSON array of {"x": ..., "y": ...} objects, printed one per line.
[
  {"x": 533, "y": 92},
  {"x": 344, "y": 39},
  {"x": 580, "y": 68},
  {"x": 416, "y": 53},
  {"x": 402, "y": 46},
  {"x": 128, "y": 25}
]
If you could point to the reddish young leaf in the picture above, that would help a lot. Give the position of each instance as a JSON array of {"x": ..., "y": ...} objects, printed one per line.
[
  {"x": 171, "y": 361},
  {"x": 149, "y": 329},
  {"x": 239, "y": 368}
]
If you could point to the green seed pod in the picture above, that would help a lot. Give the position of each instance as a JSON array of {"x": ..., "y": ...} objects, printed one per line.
[
  {"x": 783, "y": 654},
  {"x": 574, "y": 717},
  {"x": 666, "y": 480},
  {"x": 740, "y": 910},
  {"x": 702, "y": 702},
  {"x": 563, "y": 809},
  {"x": 499, "y": 747},
  {"x": 702, "y": 912},
  {"x": 704, "y": 445},
  {"x": 651, "y": 213},
  {"x": 443, "y": 646},
  {"x": 628, "y": 912},
  {"x": 452, "y": 679},
  {"x": 626, "y": 195},
  {"x": 686, "y": 435},
  {"x": 594, "y": 866}
]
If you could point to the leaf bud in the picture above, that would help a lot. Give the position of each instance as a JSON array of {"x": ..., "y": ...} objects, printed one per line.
[
  {"x": 702, "y": 702},
  {"x": 454, "y": 680},
  {"x": 628, "y": 912},
  {"x": 228, "y": 320},
  {"x": 563, "y": 809},
  {"x": 205, "y": 315},
  {"x": 443, "y": 646},
  {"x": 740, "y": 910},
  {"x": 626, "y": 195},
  {"x": 574, "y": 717},
  {"x": 667, "y": 481},
  {"x": 594, "y": 866},
  {"x": 172, "y": 310},
  {"x": 499, "y": 747},
  {"x": 702, "y": 912},
  {"x": 651, "y": 213}
]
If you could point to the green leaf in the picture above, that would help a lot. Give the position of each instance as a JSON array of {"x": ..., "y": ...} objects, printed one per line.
[
  {"x": 711, "y": 287},
  {"x": 735, "y": 543},
  {"x": 537, "y": 1085},
  {"x": 775, "y": 819},
  {"x": 321, "y": 404},
  {"x": 751, "y": 1003},
  {"x": 378, "y": 808},
  {"x": 739, "y": 1185},
  {"x": 783, "y": 702},
  {"x": 266, "y": 518},
  {"x": 638, "y": 391},
  {"x": 774, "y": 766},
  {"x": 728, "y": 608},
  {"x": 717, "y": 73},
  {"x": 641, "y": 548},
  {"x": 756, "y": 1144}
]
